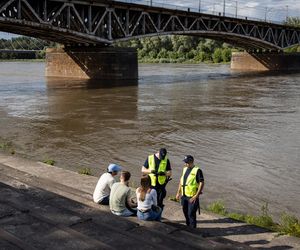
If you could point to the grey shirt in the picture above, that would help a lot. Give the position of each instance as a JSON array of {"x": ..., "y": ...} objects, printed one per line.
[{"x": 118, "y": 197}]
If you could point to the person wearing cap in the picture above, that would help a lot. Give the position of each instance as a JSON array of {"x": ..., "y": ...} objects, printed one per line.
[
  {"x": 104, "y": 184},
  {"x": 158, "y": 167},
  {"x": 190, "y": 187}
]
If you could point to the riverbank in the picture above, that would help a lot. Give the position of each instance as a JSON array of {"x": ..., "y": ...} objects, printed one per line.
[
  {"x": 34, "y": 177},
  {"x": 143, "y": 61},
  {"x": 22, "y": 60}
]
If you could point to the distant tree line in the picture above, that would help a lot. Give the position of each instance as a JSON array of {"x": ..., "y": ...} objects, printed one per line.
[
  {"x": 293, "y": 21},
  {"x": 24, "y": 43}
]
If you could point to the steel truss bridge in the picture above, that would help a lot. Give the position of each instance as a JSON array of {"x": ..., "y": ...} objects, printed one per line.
[{"x": 103, "y": 22}]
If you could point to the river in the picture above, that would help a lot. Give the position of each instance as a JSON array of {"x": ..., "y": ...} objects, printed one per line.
[{"x": 243, "y": 129}]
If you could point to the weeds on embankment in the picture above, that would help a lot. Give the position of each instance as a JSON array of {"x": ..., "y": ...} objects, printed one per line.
[
  {"x": 7, "y": 147},
  {"x": 49, "y": 162},
  {"x": 288, "y": 224},
  {"x": 85, "y": 171}
]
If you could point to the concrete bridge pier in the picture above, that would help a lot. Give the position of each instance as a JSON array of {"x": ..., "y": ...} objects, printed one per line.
[
  {"x": 265, "y": 61},
  {"x": 105, "y": 63}
]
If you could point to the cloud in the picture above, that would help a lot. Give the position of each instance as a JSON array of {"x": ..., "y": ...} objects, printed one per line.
[{"x": 275, "y": 10}]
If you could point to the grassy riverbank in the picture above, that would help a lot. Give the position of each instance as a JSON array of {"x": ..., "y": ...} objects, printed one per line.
[
  {"x": 22, "y": 60},
  {"x": 288, "y": 224}
]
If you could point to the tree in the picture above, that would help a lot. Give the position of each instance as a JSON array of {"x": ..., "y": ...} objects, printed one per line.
[
  {"x": 217, "y": 55},
  {"x": 293, "y": 21}
]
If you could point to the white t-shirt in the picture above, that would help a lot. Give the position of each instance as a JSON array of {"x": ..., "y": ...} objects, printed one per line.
[
  {"x": 103, "y": 187},
  {"x": 150, "y": 199}
]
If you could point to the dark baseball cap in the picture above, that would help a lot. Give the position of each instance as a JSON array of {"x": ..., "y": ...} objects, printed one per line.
[
  {"x": 162, "y": 153},
  {"x": 188, "y": 159}
]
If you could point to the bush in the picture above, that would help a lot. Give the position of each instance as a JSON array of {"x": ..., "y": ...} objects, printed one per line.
[
  {"x": 164, "y": 60},
  {"x": 85, "y": 171},
  {"x": 49, "y": 162},
  {"x": 226, "y": 55},
  {"x": 289, "y": 225},
  {"x": 263, "y": 220},
  {"x": 217, "y": 55},
  {"x": 201, "y": 56},
  {"x": 4, "y": 145},
  {"x": 180, "y": 60},
  {"x": 41, "y": 54},
  {"x": 162, "y": 54},
  {"x": 217, "y": 207}
]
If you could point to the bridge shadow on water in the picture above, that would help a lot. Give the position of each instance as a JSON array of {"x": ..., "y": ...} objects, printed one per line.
[
  {"x": 73, "y": 83},
  {"x": 68, "y": 83}
]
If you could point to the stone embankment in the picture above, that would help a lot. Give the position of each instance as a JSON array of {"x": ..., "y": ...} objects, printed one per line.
[{"x": 46, "y": 207}]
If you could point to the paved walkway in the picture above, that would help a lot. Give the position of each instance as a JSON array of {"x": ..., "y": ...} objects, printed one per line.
[{"x": 47, "y": 207}]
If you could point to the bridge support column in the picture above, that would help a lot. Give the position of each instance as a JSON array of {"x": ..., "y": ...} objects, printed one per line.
[
  {"x": 265, "y": 61},
  {"x": 92, "y": 63}
]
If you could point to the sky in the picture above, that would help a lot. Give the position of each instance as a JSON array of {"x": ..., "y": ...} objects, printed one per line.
[{"x": 272, "y": 10}]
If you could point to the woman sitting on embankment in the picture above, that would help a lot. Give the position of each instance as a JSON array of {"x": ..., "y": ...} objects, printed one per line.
[{"x": 147, "y": 201}]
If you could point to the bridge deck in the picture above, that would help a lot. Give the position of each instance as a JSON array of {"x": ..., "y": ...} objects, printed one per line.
[{"x": 101, "y": 22}]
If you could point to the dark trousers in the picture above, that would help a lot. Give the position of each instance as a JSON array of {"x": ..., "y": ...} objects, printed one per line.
[
  {"x": 105, "y": 201},
  {"x": 190, "y": 210},
  {"x": 161, "y": 194}
]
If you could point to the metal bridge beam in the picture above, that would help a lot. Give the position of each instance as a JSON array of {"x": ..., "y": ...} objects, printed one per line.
[{"x": 102, "y": 22}]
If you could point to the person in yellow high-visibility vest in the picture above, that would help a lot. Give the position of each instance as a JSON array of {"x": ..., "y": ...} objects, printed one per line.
[
  {"x": 190, "y": 187},
  {"x": 158, "y": 167}
]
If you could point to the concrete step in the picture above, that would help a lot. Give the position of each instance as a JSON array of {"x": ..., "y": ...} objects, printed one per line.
[
  {"x": 85, "y": 218},
  {"x": 63, "y": 188}
]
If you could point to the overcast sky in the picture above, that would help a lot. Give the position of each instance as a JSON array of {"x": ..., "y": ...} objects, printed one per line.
[
  {"x": 273, "y": 10},
  {"x": 276, "y": 10}
]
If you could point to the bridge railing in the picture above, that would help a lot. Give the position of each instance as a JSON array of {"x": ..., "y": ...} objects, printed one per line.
[{"x": 266, "y": 14}]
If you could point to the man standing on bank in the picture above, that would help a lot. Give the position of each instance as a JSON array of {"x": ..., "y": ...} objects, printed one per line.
[
  {"x": 190, "y": 187},
  {"x": 158, "y": 167}
]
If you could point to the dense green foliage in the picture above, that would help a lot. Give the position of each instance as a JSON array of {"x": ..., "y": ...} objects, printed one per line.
[
  {"x": 293, "y": 21},
  {"x": 178, "y": 49}
]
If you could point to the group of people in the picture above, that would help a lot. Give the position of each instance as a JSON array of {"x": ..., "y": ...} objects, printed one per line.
[{"x": 147, "y": 201}]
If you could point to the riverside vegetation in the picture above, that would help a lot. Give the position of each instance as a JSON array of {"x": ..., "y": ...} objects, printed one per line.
[
  {"x": 288, "y": 224},
  {"x": 36, "y": 48},
  {"x": 179, "y": 49}
]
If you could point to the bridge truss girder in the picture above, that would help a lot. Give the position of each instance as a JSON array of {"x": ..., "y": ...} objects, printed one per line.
[{"x": 103, "y": 22}]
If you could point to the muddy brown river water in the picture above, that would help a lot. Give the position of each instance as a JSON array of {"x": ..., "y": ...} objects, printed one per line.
[{"x": 243, "y": 129}]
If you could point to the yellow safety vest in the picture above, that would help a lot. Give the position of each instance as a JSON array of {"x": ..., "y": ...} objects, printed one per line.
[
  {"x": 191, "y": 185},
  {"x": 162, "y": 168}
]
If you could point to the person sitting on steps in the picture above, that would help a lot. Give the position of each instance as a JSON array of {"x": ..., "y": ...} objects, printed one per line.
[
  {"x": 104, "y": 184},
  {"x": 120, "y": 200},
  {"x": 147, "y": 201}
]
